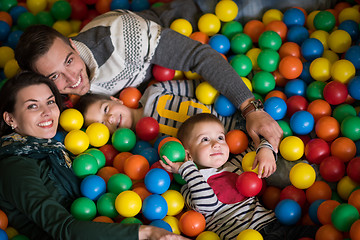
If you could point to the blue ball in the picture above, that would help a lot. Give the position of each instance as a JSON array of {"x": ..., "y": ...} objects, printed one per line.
[
  {"x": 311, "y": 49},
  {"x": 294, "y": 17},
  {"x": 139, "y": 5},
  {"x": 119, "y": 4},
  {"x": 154, "y": 207},
  {"x": 220, "y": 43},
  {"x": 353, "y": 55},
  {"x": 288, "y": 212},
  {"x": 354, "y": 87},
  {"x": 151, "y": 154},
  {"x": 305, "y": 74},
  {"x": 276, "y": 107},
  {"x": 357, "y": 144},
  {"x": 313, "y": 210},
  {"x": 161, "y": 224},
  {"x": 302, "y": 122},
  {"x": 223, "y": 106},
  {"x": 297, "y": 34},
  {"x": 295, "y": 87},
  {"x": 157, "y": 181},
  {"x": 350, "y": 27},
  {"x": 4, "y": 31},
  {"x": 158, "y": 140},
  {"x": 13, "y": 38},
  {"x": 3, "y": 235},
  {"x": 93, "y": 186},
  {"x": 139, "y": 146},
  {"x": 15, "y": 12},
  {"x": 60, "y": 136}
]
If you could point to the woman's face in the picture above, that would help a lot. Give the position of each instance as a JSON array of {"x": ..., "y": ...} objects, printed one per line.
[{"x": 36, "y": 112}]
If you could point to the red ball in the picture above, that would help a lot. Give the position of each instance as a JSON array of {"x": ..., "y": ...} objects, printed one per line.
[
  {"x": 162, "y": 74},
  {"x": 353, "y": 169},
  {"x": 110, "y": 152},
  {"x": 147, "y": 128},
  {"x": 271, "y": 197},
  {"x": 316, "y": 150},
  {"x": 296, "y": 194},
  {"x": 335, "y": 92},
  {"x": 79, "y": 10},
  {"x": 296, "y": 103},
  {"x": 332, "y": 169},
  {"x": 130, "y": 96},
  {"x": 192, "y": 223},
  {"x": 89, "y": 2},
  {"x": 248, "y": 184}
]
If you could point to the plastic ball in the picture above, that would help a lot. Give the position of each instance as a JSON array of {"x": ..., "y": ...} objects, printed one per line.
[
  {"x": 147, "y": 128},
  {"x": 285, "y": 126},
  {"x": 71, "y": 119},
  {"x": 350, "y": 127},
  {"x": 79, "y": 10},
  {"x": 272, "y": 15},
  {"x": 76, "y": 141},
  {"x": 353, "y": 55},
  {"x": 206, "y": 93},
  {"x": 220, "y": 43},
  {"x": 229, "y": 29},
  {"x": 103, "y": 219},
  {"x": 355, "y": 230},
  {"x": 130, "y": 97},
  {"x": 302, "y": 122},
  {"x": 342, "y": 71},
  {"x": 290, "y": 67},
  {"x": 45, "y": 18},
  {"x": 319, "y": 108},
  {"x": 173, "y": 150},
  {"x": 207, "y": 235},
  {"x": 154, "y": 207},
  {"x": 36, "y": 6},
  {"x": 328, "y": 231},
  {"x": 136, "y": 167},
  {"x": 263, "y": 82},
  {"x": 162, "y": 74},
  {"x": 290, "y": 49},
  {"x": 174, "y": 223},
  {"x": 344, "y": 216},
  {"x": 118, "y": 183},
  {"x": 343, "y": 148},
  {"x": 332, "y": 169},
  {"x": 271, "y": 197},
  {"x": 325, "y": 210},
  {"x": 248, "y": 161},
  {"x": 240, "y": 43},
  {"x": 339, "y": 41},
  {"x": 83, "y": 209},
  {"x": 106, "y": 205},
  {"x": 3, "y": 235},
  {"x": 63, "y": 26},
  {"x": 25, "y": 20},
  {"x": 226, "y": 11},
  {"x": 322, "y": 36},
  {"x": 248, "y": 184},
  {"x": 302, "y": 175},
  {"x": 354, "y": 88},
  {"x": 6, "y": 54},
  {"x": 327, "y": 128},
  {"x": 295, "y": 87},
  {"x": 295, "y": 103},
  {"x": 92, "y": 187},
  {"x": 242, "y": 64},
  {"x": 335, "y": 92},
  {"x": 311, "y": 49},
  {"x": 223, "y": 106},
  {"x": 200, "y": 37},
  {"x": 314, "y": 91},
  {"x": 324, "y": 20},
  {"x": 313, "y": 208},
  {"x": 3, "y": 220},
  {"x": 61, "y": 10},
  {"x": 128, "y": 203},
  {"x": 270, "y": 40},
  {"x": 209, "y": 23},
  {"x": 11, "y": 68},
  {"x": 291, "y": 148},
  {"x": 175, "y": 202},
  {"x": 164, "y": 139},
  {"x": 157, "y": 181},
  {"x": 237, "y": 141},
  {"x": 354, "y": 199},
  {"x": 353, "y": 169},
  {"x": 123, "y": 139},
  {"x": 319, "y": 190},
  {"x": 279, "y": 27},
  {"x": 294, "y": 17},
  {"x": 275, "y": 107},
  {"x": 293, "y": 193},
  {"x": 84, "y": 165},
  {"x": 16, "y": 11},
  {"x": 350, "y": 27},
  {"x": 349, "y": 14},
  {"x": 151, "y": 154},
  {"x": 345, "y": 186},
  {"x": 98, "y": 134},
  {"x": 140, "y": 145},
  {"x": 109, "y": 152},
  {"x": 161, "y": 224},
  {"x": 192, "y": 223},
  {"x": 254, "y": 28},
  {"x": 268, "y": 60},
  {"x": 316, "y": 150},
  {"x": 320, "y": 69},
  {"x": 249, "y": 234},
  {"x": 297, "y": 34},
  {"x": 288, "y": 212}
]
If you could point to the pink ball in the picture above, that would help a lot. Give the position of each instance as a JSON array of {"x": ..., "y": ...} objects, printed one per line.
[
  {"x": 316, "y": 150},
  {"x": 147, "y": 128},
  {"x": 248, "y": 184},
  {"x": 353, "y": 169},
  {"x": 332, "y": 169},
  {"x": 335, "y": 92},
  {"x": 162, "y": 74}
]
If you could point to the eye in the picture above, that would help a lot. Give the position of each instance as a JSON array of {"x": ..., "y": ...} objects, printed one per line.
[
  {"x": 70, "y": 60},
  {"x": 221, "y": 137},
  {"x": 106, "y": 109},
  {"x": 51, "y": 102},
  {"x": 32, "y": 106},
  {"x": 54, "y": 77},
  {"x": 205, "y": 139}
]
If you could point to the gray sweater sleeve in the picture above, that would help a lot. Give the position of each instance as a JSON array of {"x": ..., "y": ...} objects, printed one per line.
[{"x": 176, "y": 51}]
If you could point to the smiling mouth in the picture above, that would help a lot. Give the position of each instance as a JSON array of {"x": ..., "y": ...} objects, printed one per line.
[
  {"x": 118, "y": 125},
  {"x": 216, "y": 154},
  {"x": 46, "y": 124},
  {"x": 77, "y": 83}
]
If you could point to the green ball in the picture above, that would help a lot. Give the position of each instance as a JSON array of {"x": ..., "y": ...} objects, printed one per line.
[
  {"x": 229, "y": 29},
  {"x": 131, "y": 220},
  {"x": 240, "y": 43},
  {"x": 83, "y": 208},
  {"x": 173, "y": 150},
  {"x": 241, "y": 64},
  {"x": 263, "y": 82},
  {"x": 45, "y": 18},
  {"x": 258, "y": 97},
  {"x": 179, "y": 179},
  {"x": 343, "y": 216},
  {"x": 342, "y": 111},
  {"x": 315, "y": 90},
  {"x": 84, "y": 165},
  {"x": 99, "y": 155},
  {"x": 285, "y": 126},
  {"x": 270, "y": 40},
  {"x": 123, "y": 139},
  {"x": 61, "y": 10},
  {"x": 268, "y": 60},
  {"x": 6, "y": 5},
  {"x": 350, "y": 127},
  {"x": 324, "y": 20},
  {"x": 118, "y": 183},
  {"x": 25, "y": 20},
  {"x": 106, "y": 205}
]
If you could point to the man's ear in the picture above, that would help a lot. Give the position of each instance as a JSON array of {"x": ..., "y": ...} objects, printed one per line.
[
  {"x": 73, "y": 46},
  {"x": 116, "y": 99}
]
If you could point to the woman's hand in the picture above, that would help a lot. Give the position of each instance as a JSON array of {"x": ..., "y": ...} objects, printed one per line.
[{"x": 155, "y": 233}]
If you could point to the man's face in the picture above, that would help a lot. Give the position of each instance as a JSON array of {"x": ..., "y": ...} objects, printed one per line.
[{"x": 63, "y": 65}]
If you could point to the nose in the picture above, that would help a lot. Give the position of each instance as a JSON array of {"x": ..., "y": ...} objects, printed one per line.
[
  {"x": 70, "y": 76},
  {"x": 215, "y": 144},
  {"x": 111, "y": 119},
  {"x": 45, "y": 110}
]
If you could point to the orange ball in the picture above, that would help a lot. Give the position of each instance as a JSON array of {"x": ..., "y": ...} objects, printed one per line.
[
  {"x": 328, "y": 232},
  {"x": 319, "y": 108},
  {"x": 279, "y": 27},
  {"x": 290, "y": 67},
  {"x": 327, "y": 128},
  {"x": 354, "y": 199},
  {"x": 290, "y": 49},
  {"x": 136, "y": 167},
  {"x": 3, "y": 220},
  {"x": 319, "y": 190},
  {"x": 254, "y": 28},
  {"x": 103, "y": 6},
  {"x": 192, "y": 223},
  {"x": 200, "y": 36},
  {"x": 355, "y": 230},
  {"x": 343, "y": 148},
  {"x": 106, "y": 172},
  {"x": 167, "y": 139},
  {"x": 280, "y": 80},
  {"x": 325, "y": 210},
  {"x": 130, "y": 96},
  {"x": 6, "y": 17},
  {"x": 271, "y": 197},
  {"x": 103, "y": 219},
  {"x": 276, "y": 93},
  {"x": 119, "y": 160},
  {"x": 237, "y": 140},
  {"x": 142, "y": 191}
]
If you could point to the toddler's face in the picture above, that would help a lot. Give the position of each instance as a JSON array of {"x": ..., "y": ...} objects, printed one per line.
[
  {"x": 113, "y": 113},
  {"x": 207, "y": 145}
]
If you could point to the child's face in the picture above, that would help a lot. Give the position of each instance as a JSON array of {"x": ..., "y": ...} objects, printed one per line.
[
  {"x": 207, "y": 145},
  {"x": 113, "y": 113}
]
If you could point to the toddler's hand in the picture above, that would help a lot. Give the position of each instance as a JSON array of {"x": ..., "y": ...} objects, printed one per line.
[
  {"x": 266, "y": 160},
  {"x": 172, "y": 167}
]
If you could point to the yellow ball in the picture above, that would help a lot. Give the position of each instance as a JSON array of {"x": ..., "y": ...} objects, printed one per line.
[
  {"x": 36, "y": 6},
  {"x": 175, "y": 202},
  {"x": 63, "y": 26},
  {"x": 302, "y": 175},
  {"x": 192, "y": 75},
  {"x": 6, "y": 54},
  {"x": 182, "y": 26},
  {"x": 253, "y": 55},
  {"x": 349, "y": 14},
  {"x": 292, "y": 148},
  {"x": 128, "y": 203},
  {"x": 345, "y": 186},
  {"x": 320, "y": 69},
  {"x": 209, "y": 24},
  {"x": 76, "y": 141},
  {"x": 272, "y": 15},
  {"x": 208, "y": 235},
  {"x": 339, "y": 41},
  {"x": 179, "y": 75},
  {"x": 310, "y": 20},
  {"x": 342, "y": 71},
  {"x": 226, "y": 11},
  {"x": 11, "y": 68},
  {"x": 206, "y": 93},
  {"x": 248, "y": 161},
  {"x": 98, "y": 133},
  {"x": 71, "y": 119},
  {"x": 331, "y": 56},
  {"x": 247, "y": 83},
  {"x": 174, "y": 223},
  {"x": 75, "y": 26},
  {"x": 322, "y": 36},
  {"x": 249, "y": 234}
]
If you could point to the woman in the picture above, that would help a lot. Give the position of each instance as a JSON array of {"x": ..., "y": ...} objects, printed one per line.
[{"x": 37, "y": 184}]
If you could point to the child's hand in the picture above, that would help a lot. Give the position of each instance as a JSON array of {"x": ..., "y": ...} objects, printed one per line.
[
  {"x": 172, "y": 167},
  {"x": 266, "y": 160}
]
